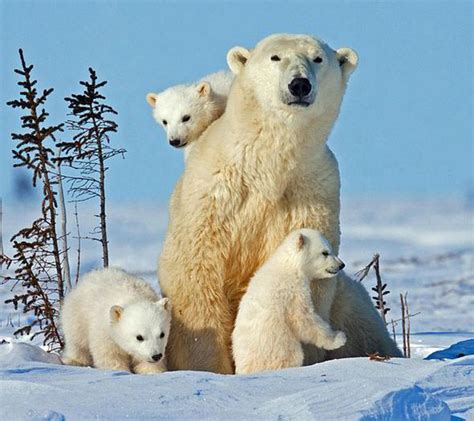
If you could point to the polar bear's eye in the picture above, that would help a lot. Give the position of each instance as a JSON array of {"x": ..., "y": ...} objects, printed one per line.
[
  {"x": 186, "y": 118},
  {"x": 139, "y": 338},
  {"x": 275, "y": 58},
  {"x": 162, "y": 335},
  {"x": 318, "y": 60},
  {"x": 325, "y": 253},
  {"x": 165, "y": 122}
]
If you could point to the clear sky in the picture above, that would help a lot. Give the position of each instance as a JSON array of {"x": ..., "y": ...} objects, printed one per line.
[{"x": 406, "y": 123}]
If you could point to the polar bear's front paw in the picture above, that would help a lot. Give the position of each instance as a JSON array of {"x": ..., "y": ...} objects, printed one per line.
[
  {"x": 149, "y": 368},
  {"x": 338, "y": 340}
]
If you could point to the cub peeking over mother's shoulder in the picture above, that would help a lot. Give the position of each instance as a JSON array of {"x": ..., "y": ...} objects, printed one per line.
[
  {"x": 276, "y": 313},
  {"x": 113, "y": 320},
  {"x": 186, "y": 111}
]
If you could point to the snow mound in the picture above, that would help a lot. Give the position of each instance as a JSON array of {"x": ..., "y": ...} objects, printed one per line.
[
  {"x": 18, "y": 353},
  {"x": 458, "y": 350},
  {"x": 412, "y": 404}
]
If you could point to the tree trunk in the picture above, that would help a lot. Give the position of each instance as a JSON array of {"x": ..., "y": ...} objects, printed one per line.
[{"x": 64, "y": 233}]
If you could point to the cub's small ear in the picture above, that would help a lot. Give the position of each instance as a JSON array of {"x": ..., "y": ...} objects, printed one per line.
[
  {"x": 300, "y": 242},
  {"x": 151, "y": 99},
  {"x": 237, "y": 58},
  {"x": 116, "y": 313},
  {"x": 204, "y": 89},
  {"x": 166, "y": 303},
  {"x": 348, "y": 60}
]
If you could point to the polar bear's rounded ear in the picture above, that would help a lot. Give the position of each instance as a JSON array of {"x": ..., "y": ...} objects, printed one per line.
[
  {"x": 166, "y": 303},
  {"x": 116, "y": 313},
  {"x": 151, "y": 99},
  {"x": 236, "y": 59},
  {"x": 300, "y": 242},
  {"x": 204, "y": 89},
  {"x": 348, "y": 60}
]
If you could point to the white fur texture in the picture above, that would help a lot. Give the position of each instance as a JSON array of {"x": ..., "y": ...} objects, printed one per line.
[
  {"x": 276, "y": 313},
  {"x": 203, "y": 102},
  {"x": 104, "y": 317}
]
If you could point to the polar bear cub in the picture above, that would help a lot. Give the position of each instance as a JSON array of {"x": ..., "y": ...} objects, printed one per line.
[
  {"x": 113, "y": 320},
  {"x": 185, "y": 111},
  {"x": 276, "y": 313}
]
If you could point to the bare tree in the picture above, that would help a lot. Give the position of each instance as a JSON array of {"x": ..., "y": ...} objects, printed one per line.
[
  {"x": 37, "y": 255},
  {"x": 405, "y": 325},
  {"x": 89, "y": 150}
]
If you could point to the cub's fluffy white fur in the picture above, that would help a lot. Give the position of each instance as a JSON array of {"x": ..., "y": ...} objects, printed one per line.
[
  {"x": 113, "y": 320},
  {"x": 276, "y": 313},
  {"x": 186, "y": 111}
]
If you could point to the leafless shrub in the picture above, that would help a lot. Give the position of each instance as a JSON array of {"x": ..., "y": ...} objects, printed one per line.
[
  {"x": 37, "y": 255},
  {"x": 380, "y": 287}
]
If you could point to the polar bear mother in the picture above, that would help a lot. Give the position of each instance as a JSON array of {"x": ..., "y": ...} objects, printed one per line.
[{"x": 259, "y": 172}]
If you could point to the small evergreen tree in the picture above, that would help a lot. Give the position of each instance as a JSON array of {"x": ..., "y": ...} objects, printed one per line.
[{"x": 89, "y": 150}]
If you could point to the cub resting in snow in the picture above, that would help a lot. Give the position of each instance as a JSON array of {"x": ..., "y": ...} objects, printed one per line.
[
  {"x": 113, "y": 320},
  {"x": 186, "y": 111},
  {"x": 276, "y": 313}
]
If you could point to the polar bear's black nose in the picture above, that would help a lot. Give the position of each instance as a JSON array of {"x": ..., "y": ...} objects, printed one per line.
[
  {"x": 300, "y": 87},
  {"x": 342, "y": 266},
  {"x": 157, "y": 357},
  {"x": 175, "y": 142}
]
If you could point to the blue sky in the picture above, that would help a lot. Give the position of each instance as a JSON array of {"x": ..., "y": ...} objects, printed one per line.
[{"x": 406, "y": 123}]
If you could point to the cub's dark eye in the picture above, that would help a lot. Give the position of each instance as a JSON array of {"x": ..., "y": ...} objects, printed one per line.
[
  {"x": 139, "y": 338},
  {"x": 162, "y": 335},
  {"x": 186, "y": 118},
  {"x": 325, "y": 253},
  {"x": 165, "y": 122},
  {"x": 318, "y": 60},
  {"x": 275, "y": 58}
]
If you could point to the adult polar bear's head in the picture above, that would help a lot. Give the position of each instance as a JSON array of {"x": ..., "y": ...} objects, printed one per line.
[{"x": 294, "y": 73}]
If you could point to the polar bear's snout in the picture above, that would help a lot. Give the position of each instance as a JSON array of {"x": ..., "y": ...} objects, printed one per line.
[
  {"x": 177, "y": 143},
  {"x": 300, "y": 87}
]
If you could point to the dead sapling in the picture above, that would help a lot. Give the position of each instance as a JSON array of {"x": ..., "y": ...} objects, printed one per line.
[
  {"x": 405, "y": 325},
  {"x": 89, "y": 150},
  {"x": 37, "y": 276}
]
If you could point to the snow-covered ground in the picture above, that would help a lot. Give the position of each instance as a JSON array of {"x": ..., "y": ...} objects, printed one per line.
[
  {"x": 427, "y": 250},
  {"x": 33, "y": 387}
]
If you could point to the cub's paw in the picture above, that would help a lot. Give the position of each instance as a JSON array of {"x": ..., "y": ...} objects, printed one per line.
[
  {"x": 81, "y": 362},
  {"x": 339, "y": 340},
  {"x": 149, "y": 368}
]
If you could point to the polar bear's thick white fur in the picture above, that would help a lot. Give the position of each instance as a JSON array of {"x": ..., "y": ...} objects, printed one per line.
[
  {"x": 113, "y": 320},
  {"x": 276, "y": 313},
  {"x": 256, "y": 174},
  {"x": 185, "y": 111}
]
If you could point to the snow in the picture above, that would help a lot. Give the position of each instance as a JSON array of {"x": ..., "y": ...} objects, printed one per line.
[
  {"x": 355, "y": 388},
  {"x": 426, "y": 249},
  {"x": 459, "y": 349}
]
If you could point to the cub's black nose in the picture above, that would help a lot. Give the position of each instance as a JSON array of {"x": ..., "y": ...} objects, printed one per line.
[
  {"x": 175, "y": 142},
  {"x": 157, "y": 357},
  {"x": 342, "y": 266},
  {"x": 300, "y": 87}
]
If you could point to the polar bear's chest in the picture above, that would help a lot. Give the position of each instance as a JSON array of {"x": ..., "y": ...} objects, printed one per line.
[{"x": 262, "y": 226}]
